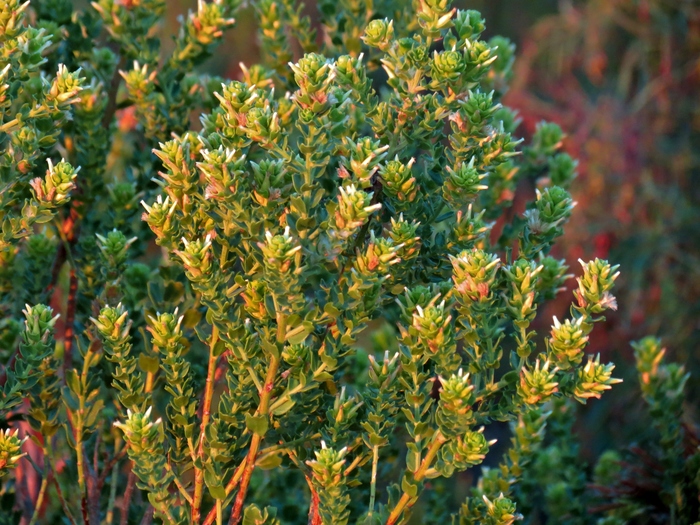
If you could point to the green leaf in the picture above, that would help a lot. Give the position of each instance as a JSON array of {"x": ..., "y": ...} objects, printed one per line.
[
  {"x": 148, "y": 363},
  {"x": 257, "y": 424}
]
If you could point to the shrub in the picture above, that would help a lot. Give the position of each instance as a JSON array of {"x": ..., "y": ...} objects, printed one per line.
[
  {"x": 628, "y": 72},
  {"x": 212, "y": 355},
  {"x": 653, "y": 480}
]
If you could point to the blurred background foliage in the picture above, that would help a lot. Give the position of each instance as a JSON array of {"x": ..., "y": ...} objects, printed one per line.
[{"x": 622, "y": 79}]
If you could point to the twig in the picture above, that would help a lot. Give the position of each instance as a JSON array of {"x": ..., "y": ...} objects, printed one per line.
[
  {"x": 254, "y": 443},
  {"x": 126, "y": 500},
  {"x": 314, "y": 515},
  {"x": 405, "y": 502},
  {"x": 54, "y": 477},
  {"x": 109, "y": 466},
  {"x": 373, "y": 486},
  {"x": 263, "y": 410},
  {"x": 206, "y": 413},
  {"x": 233, "y": 482},
  {"x": 40, "y": 497},
  {"x": 147, "y": 516},
  {"x": 70, "y": 321}
]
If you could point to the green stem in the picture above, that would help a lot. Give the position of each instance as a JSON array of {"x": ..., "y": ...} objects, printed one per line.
[
  {"x": 206, "y": 413},
  {"x": 263, "y": 410},
  {"x": 407, "y": 501},
  {"x": 373, "y": 486},
  {"x": 42, "y": 492}
]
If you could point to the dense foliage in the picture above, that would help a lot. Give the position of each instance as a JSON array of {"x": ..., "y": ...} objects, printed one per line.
[
  {"x": 215, "y": 357},
  {"x": 623, "y": 76}
]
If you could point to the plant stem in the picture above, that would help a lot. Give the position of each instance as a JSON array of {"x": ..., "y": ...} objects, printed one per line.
[
  {"x": 206, "y": 413},
  {"x": 254, "y": 442},
  {"x": 126, "y": 499},
  {"x": 42, "y": 492},
  {"x": 233, "y": 482},
  {"x": 373, "y": 486},
  {"x": 314, "y": 516},
  {"x": 263, "y": 410},
  {"x": 405, "y": 502},
  {"x": 112, "y": 497},
  {"x": 70, "y": 320},
  {"x": 59, "y": 492}
]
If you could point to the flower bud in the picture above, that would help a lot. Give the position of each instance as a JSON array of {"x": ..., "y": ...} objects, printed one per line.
[
  {"x": 269, "y": 181},
  {"x": 403, "y": 233},
  {"x": 56, "y": 185},
  {"x": 11, "y": 24},
  {"x": 594, "y": 379},
  {"x": 463, "y": 183},
  {"x": 142, "y": 434},
  {"x": 114, "y": 248},
  {"x": 262, "y": 125},
  {"x": 166, "y": 330},
  {"x": 554, "y": 205},
  {"x": 362, "y": 159},
  {"x": 547, "y": 139},
  {"x": 122, "y": 195},
  {"x": 65, "y": 87},
  {"x": 351, "y": 72},
  {"x": 505, "y": 56},
  {"x": 40, "y": 248},
  {"x": 498, "y": 148},
  {"x": 551, "y": 279},
  {"x": 196, "y": 258},
  {"x": 159, "y": 216},
  {"x": 474, "y": 272},
  {"x": 417, "y": 296},
  {"x": 10, "y": 450},
  {"x": 327, "y": 468},
  {"x": 454, "y": 414},
  {"x": 501, "y": 511},
  {"x": 313, "y": 74},
  {"x": 354, "y": 207},
  {"x": 254, "y": 298},
  {"x": 139, "y": 82},
  {"x": 296, "y": 356},
  {"x": 477, "y": 57},
  {"x": 279, "y": 251},
  {"x": 206, "y": 26},
  {"x": 398, "y": 182},
  {"x": 39, "y": 324},
  {"x": 469, "y": 24},
  {"x": 237, "y": 96},
  {"x": 113, "y": 324},
  {"x": 522, "y": 276},
  {"x": 382, "y": 373},
  {"x": 378, "y": 257},
  {"x": 593, "y": 293},
  {"x": 463, "y": 452},
  {"x": 469, "y": 229},
  {"x": 433, "y": 325},
  {"x": 537, "y": 385},
  {"x": 435, "y": 16},
  {"x": 379, "y": 34},
  {"x": 478, "y": 108},
  {"x": 567, "y": 343},
  {"x": 447, "y": 67}
]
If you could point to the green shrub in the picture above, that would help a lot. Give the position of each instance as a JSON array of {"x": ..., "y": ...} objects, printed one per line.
[
  {"x": 316, "y": 316},
  {"x": 653, "y": 480}
]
